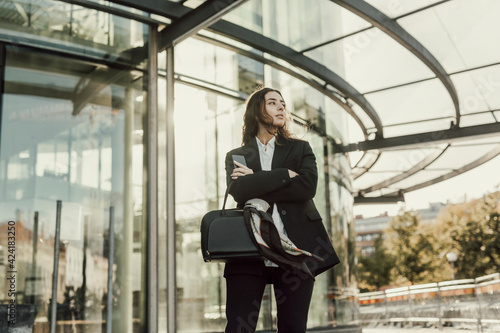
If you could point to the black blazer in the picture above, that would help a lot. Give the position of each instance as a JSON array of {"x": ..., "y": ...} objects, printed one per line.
[{"x": 293, "y": 197}]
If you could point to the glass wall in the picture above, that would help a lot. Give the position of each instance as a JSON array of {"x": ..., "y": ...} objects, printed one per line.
[
  {"x": 71, "y": 131},
  {"x": 215, "y": 122},
  {"x": 61, "y": 25}
]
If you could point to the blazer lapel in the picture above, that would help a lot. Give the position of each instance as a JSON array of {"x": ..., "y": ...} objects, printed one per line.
[{"x": 281, "y": 151}]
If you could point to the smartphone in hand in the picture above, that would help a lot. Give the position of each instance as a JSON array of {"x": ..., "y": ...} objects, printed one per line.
[{"x": 240, "y": 159}]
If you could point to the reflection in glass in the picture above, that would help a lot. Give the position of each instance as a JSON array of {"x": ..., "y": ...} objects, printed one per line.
[
  {"x": 75, "y": 27},
  {"x": 214, "y": 123},
  {"x": 206, "y": 119},
  {"x": 72, "y": 131}
]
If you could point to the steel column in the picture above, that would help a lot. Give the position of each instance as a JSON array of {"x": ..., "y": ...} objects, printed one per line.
[
  {"x": 171, "y": 239},
  {"x": 111, "y": 260},
  {"x": 55, "y": 269},
  {"x": 152, "y": 183}
]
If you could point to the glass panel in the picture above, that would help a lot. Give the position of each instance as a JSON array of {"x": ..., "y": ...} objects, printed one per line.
[
  {"x": 210, "y": 120},
  {"x": 355, "y": 157},
  {"x": 71, "y": 133},
  {"x": 418, "y": 178},
  {"x": 476, "y": 119},
  {"x": 309, "y": 104},
  {"x": 206, "y": 62},
  {"x": 341, "y": 308},
  {"x": 321, "y": 23},
  {"x": 413, "y": 128},
  {"x": 457, "y": 32},
  {"x": 248, "y": 15},
  {"x": 478, "y": 90},
  {"x": 355, "y": 134},
  {"x": 419, "y": 101},
  {"x": 217, "y": 121},
  {"x": 456, "y": 157},
  {"x": 365, "y": 163},
  {"x": 68, "y": 26},
  {"x": 365, "y": 119},
  {"x": 401, "y": 160},
  {"x": 319, "y": 302},
  {"x": 371, "y": 178},
  {"x": 337, "y": 124},
  {"x": 393, "y": 8},
  {"x": 497, "y": 116},
  {"x": 371, "y": 60}
]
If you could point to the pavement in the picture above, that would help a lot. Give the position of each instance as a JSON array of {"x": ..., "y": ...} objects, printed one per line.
[{"x": 423, "y": 330}]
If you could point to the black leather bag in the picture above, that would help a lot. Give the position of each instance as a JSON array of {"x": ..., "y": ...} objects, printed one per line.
[{"x": 225, "y": 237}]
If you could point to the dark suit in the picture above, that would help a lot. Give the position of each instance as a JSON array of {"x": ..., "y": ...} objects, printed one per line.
[
  {"x": 302, "y": 221},
  {"x": 293, "y": 196}
]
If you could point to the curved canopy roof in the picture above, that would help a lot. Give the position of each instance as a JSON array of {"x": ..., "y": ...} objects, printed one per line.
[{"x": 420, "y": 79}]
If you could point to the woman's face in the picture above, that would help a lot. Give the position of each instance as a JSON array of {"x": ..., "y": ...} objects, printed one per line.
[{"x": 275, "y": 108}]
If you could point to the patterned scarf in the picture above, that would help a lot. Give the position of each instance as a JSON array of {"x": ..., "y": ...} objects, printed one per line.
[{"x": 272, "y": 244}]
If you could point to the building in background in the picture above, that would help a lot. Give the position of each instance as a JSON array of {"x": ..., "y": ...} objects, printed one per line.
[{"x": 370, "y": 228}]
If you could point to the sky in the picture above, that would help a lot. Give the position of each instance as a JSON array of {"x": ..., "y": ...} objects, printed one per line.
[{"x": 470, "y": 185}]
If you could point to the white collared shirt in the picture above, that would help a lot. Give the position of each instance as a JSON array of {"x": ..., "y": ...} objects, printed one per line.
[{"x": 266, "y": 153}]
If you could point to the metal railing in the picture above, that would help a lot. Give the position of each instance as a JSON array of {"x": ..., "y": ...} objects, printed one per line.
[{"x": 470, "y": 304}]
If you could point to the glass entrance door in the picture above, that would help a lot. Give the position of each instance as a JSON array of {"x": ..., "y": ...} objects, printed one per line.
[{"x": 71, "y": 131}]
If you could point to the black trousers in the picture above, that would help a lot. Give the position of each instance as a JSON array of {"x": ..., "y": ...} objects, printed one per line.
[{"x": 244, "y": 296}]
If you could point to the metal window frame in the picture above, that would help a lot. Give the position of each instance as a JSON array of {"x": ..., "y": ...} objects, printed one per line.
[{"x": 425, "y": 139}]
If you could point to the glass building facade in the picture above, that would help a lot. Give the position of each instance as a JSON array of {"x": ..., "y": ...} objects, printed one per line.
[{"x": 130, "y": 140}]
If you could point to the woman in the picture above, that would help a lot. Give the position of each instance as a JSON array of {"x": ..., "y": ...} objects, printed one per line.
[{"x": 282, "y": 171}]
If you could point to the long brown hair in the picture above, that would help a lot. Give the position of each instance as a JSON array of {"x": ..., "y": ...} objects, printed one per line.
[{"x": 255, "y": 113}]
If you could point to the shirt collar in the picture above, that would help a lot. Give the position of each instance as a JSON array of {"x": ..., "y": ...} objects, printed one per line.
[{"x": 270, "y": 144}]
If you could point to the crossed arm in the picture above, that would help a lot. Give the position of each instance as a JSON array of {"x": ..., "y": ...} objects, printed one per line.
[{"x": 277, "y": 185}]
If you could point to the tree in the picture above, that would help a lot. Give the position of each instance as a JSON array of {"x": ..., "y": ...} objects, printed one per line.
[
  {"x": 415, "y": 252},
  {"x": 411, "y": 245},
  {"x": 374, "y": 271},
  {"x": 473, "y": 233}
]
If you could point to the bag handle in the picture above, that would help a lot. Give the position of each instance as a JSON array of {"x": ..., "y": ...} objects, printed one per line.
[{"x": 223, "y": 212}]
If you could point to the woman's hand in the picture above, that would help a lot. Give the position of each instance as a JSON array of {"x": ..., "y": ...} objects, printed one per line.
[
  {"x": 292, "y": 173},
  {"x": 241, "y": 170}
]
